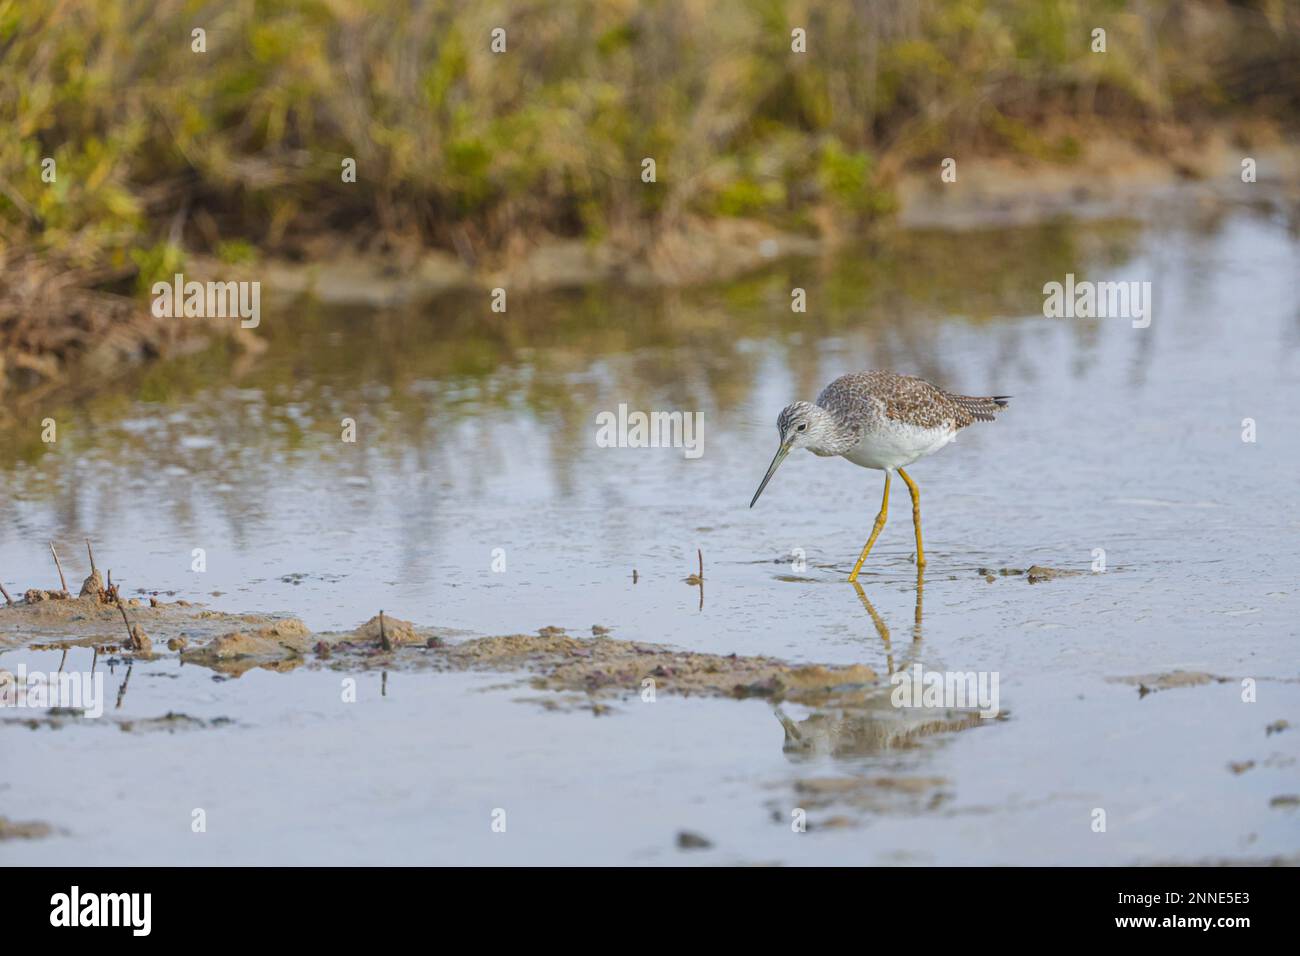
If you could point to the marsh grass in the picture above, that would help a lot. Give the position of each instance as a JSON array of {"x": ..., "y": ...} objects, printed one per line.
[{"x": 236, "y": 152}]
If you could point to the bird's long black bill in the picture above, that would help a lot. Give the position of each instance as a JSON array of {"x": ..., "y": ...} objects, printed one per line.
[{"x": 771, "y": 470}]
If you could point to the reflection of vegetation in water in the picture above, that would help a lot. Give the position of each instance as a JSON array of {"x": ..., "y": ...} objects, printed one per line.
[
  {"x": 429, "y": 386},
  {"x": 412, "y": 377}
]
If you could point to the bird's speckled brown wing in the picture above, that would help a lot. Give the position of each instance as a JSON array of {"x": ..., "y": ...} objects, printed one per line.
[{"x": 905, "y": 399}]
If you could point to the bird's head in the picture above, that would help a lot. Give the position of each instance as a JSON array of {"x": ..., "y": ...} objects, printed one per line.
[{"x": 801, "y": 425}]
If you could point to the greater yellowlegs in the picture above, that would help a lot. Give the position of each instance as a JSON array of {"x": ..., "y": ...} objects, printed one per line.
[{"x": 881, "y": 420}]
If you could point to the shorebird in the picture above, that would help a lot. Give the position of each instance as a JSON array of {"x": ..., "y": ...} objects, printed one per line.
[{"x": 880, "y": 420}]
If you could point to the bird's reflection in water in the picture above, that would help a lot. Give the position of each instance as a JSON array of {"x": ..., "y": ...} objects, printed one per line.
[
  {"x": 864, "y": 721},
  {"x": 883, "y": 629}
]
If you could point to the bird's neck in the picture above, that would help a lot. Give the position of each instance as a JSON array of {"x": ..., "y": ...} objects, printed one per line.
[{"x": 834, "y": 437}]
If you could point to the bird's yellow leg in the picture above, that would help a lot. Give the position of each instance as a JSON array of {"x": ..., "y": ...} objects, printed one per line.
[
  {"x": 875, "y": 531},
  {"x": 916, "y": 516}
]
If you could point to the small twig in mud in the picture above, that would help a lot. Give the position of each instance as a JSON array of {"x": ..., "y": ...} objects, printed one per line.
[
  {"x": 8, "y": 599},
  {"x": 62, "y": 580},
  {"x": 698, "y": 578},
  {"x": 136, "y": 639},
  {"x": 129, "y": 636},
  {"x": 93, "y": 586},
  {"x": 384, "y": 642}
]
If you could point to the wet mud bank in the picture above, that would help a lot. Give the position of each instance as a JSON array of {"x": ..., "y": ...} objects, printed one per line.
[{"x": 233, "y": 644}]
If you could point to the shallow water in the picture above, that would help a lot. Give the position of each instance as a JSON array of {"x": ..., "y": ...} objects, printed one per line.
[{"x": 477, "y": 432}]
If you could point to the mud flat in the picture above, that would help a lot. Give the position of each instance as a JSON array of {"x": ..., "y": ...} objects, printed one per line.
[
  {"x": 29, "y": 830},
  {"x": 233, "y": 644}
]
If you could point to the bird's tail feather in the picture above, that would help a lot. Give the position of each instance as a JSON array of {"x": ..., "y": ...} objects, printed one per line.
[{"x": 983, "y": 408}]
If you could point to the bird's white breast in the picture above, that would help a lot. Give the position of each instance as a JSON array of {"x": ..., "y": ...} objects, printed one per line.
[{"x": 895, "y": 445}]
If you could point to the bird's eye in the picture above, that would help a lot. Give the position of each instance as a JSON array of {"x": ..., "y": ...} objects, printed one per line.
[{"x": 803, "y": 427}]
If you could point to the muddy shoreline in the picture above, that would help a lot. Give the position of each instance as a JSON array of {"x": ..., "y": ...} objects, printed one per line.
[{"x": 1113, "y": 179}]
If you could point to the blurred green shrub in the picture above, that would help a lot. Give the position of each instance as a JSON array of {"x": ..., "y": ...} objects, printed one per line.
[{"x": 239, "y": 148}]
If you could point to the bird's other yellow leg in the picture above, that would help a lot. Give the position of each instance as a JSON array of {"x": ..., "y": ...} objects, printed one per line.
[
  {"x": 916, "y": 516},
  {"x": 875, "y": 531}
]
